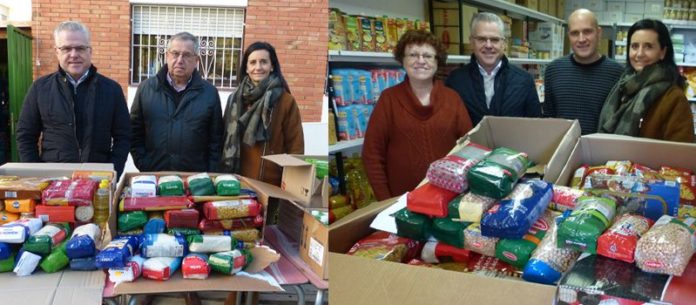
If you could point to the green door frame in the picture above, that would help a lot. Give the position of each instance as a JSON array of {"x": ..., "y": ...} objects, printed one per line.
[{"x": 19, "y": 55}]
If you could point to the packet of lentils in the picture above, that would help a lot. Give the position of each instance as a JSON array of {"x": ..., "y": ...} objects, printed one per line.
[
  {"x": 163, "y": 245},
  {"x": 131, "y": 220},
  {"x": 84, "y": 264},
  {"x": 200, "y": 185},
  {"x": 117, "y": 253},
  {"x": 45, "y": 239},
  {"x": 230, "y": 262},
  {"x": 170, "y": 186},
  {"x": 83, "y": 241},
  {"x": 549, "y": 261},
  {"x": 227, "y": 185}
]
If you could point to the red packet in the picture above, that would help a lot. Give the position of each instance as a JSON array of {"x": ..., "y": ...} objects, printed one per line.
[{"x": 429, "y": 200}]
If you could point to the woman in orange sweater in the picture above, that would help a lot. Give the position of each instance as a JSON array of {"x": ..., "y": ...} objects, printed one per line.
[{"x": 415, "y": 122}]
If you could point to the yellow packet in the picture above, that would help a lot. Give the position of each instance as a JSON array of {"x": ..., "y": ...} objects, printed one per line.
[{"x": 20, "y": 205}]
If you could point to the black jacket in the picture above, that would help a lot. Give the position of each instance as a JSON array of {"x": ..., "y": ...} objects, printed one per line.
[
  {"x": 49, "y": 109},
  {"x": 515, "y": 91},
  {"x": 187, "y": 137}
]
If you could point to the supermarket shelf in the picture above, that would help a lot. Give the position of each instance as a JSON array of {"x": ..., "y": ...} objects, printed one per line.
[
  {"x": 686, "y": 64},
  {"x": 377, "y": 57},
  {"x": 344, "y": 145},
  {"x": 515, "y": 9},
  {"x": 674, "y": 24}
]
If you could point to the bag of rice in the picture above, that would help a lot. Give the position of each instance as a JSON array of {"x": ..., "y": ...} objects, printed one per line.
[
  {"x": 27, "y": 263},
  {"x": 84, "y": 264},
  {"x": 117, "y": 253},
  {"x": 586, "y": 223},
  {"x": 170, "y": 186},
  {"x": 230, "y": 262},
  {"x": 227, "y": 185},
  {"x": 48, "y": 237},
  {"x": 187, "y": 218},
  {"x": 434, "y": 251},
  {"x": 161, "y": 268},
  {"x": 130, "y": 272},
  {"x": 450, "y": 171},
  {"x": 412, "y": 225},
  {"x": 516, "y": 252},
  {"x": 619, "y": 242},
  {"x": 18, "y": 231},
  {"x": 163, "y": 245},
  {"x": 497, "y": 174},
  {"x": 668, "y": 246},
  {"x": 549, "y": 261},
  {"x": 83, "y": 241},
  {"x": 200, "y": 185},
  {"x": 195, "y": 266},
  {"x": 385, "y": 246},
  {"x": 449, "y": 231},
  {"x": 430, "y": 200},
  {"x": 469, "y": 207},
  {"x": 55, "y": 261},
  {"x": 475, "y": 241},
  {"x": 514, "y": 215},
  {"x": 131, "y": 220},
  {"x": 211, "y": 244}
]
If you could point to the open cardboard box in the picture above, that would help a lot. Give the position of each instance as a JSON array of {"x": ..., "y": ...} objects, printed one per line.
[
  {"x": 60, "y": 288},
  {"x": 357, "y": 280},
  {"x": 299, "y": 179}
]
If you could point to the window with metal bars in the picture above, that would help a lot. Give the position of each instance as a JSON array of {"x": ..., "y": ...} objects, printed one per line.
[{"x": 219, "y": 30}]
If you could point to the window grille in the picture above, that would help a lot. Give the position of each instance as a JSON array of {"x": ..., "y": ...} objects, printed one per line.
[{"x": 219, "y": 30}]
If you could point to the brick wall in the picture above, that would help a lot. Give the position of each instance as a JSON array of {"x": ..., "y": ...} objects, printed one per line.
[
  {"x": 299, "y": 32},
  {"x": 107, "y": 20}
]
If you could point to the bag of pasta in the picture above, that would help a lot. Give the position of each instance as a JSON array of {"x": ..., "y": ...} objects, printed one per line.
[
  {"x": 386, "y": 246},
  {"x": 450, "y": 171},
  {"x": 497, "y": 174}
]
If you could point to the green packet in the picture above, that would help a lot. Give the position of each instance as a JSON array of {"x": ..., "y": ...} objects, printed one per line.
[{"x": 230, "y": 262}]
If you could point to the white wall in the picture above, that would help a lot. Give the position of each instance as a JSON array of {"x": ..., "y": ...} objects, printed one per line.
[
  {"x": 412, "y": 9},
  {"x": 20, "y": 10}
]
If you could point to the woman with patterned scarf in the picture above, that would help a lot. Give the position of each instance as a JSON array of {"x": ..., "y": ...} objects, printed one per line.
[
  {"x": 261, "y": 117},
  {"x": 649, "y": 100}
]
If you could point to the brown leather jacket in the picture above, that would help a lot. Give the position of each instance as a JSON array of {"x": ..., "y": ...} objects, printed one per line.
[{"x": 670, "y": 118}]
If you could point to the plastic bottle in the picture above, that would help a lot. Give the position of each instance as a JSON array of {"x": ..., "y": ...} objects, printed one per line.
[{"x": 102, "y": 200}]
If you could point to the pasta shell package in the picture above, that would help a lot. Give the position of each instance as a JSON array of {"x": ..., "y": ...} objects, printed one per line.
[
  {"x": 83, "y": 241},
  {"x": 77, "y": 192},
  {"x": 200, "y": 185},
  {"x": 513, "y": 216},
  {"x": 227, "y": 185},
  {"x": 48, "y": 237},
  {"x": 195, "y": 266},
  {"x": 667, "y": 247},
  {"x": 620, "y": 241},
  {"x": 231, "y": 224},
  {"x": 161, "y": 268},
  {"x": 449, "y": 231},
  {"x": 469, "y": 208},
  {"x": 430, "y": 200},
  {"x": 229, "y": 209},
  {"x": 475, "y": 241},
  {"x": 435, "y": 252},
  {"x": 210, "y": 243},
  {"x": 412, "y": 225},
  {"x": 230, "y": 262},
  {"x": 187, "y": 218},
  {"x": 386, "y": 246},
  {"x": 586, "y": 223},
  {"x": 517, "y": 252},
  {"x": 155, "y": 203},
  {"x": 450, "y": 172},
  {"x": 117, "y": 253},
  {"x": 20, "y": 205},
  {"x": 549, "y": 261},
  {"x": 163, "y": 245},
  {"x": 170, "y": 186},
  {"x": 497, "y": 174},
  {"x": 18, "y": 231},
  {"x": 128, "y": 273}
]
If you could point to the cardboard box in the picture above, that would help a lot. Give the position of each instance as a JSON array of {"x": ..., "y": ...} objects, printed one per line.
[
  {"x": 314, "y": 246},
  {"x": 299, "y": 179}
]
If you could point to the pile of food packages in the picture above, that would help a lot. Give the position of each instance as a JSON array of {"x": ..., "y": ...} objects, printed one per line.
[
  {"x": 479, "y": 213},
  {"x": 359, "y": 193},
  {"x": 369, "y": 34}
]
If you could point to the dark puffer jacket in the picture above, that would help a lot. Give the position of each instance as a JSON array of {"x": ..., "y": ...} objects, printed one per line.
[{"x": 187, "y": 137}]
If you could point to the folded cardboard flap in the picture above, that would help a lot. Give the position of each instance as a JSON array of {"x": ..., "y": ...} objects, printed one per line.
[
  {"x": 299, "y": 179},
  {"x": 263, "y": 257}
]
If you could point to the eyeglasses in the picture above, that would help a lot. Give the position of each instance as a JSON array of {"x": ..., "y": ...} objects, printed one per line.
[
  {"x": 425, "y": 56},
  {"x": 483, "y": 39},
  {"x": 184, "y": 55},
  {"x": 68, "y": 49}
]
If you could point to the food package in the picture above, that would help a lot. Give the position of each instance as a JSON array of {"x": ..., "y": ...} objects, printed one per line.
[
  {"x": 386, "y": 246},
  {"x": 687, "y": 183},
  {"x": 134, "y": 232},
  {"x": 131, "y": 220},
  {"x": 497, "y": 174},
  {"x": 491, "y": 267},
  {"x": 20, "y": 205},
  {"x": 195, "y": 266},
  {"x": 620, "y": 241},
  {"x": 117, "y": 253},
  {"x": 128, "y": 273},
  {"x": 579, "y": 177},
  {"x": 469, "y": 208},
  {"x": 5, "y": 251},
  {"x": 183, "y": 231},
  {"x": 517, "y": 252},
  {"x": 143, "y": 186},
  {"x": 58, "y": 213},
  {"x": 155, "y": 203},
  {"x": 154, "y": 226},
  {"x": 249, "y": 235},
  {"x": 18, "y": 231},
  {"x": 170, "y": 186},
  {"x": 47, "y": 238},
  {"x": 78, "y": 192},
  {"x": 187, "y": 218},
  {"x": 636, "y": 196},
  {"x": 513, "y": 216},
  {"x": 549, "y": 261},
  {"x": 211, "y": 244},
  {"x": 229, "y": 209},
  {"x": 200, "y": 185},
  {"x": 231, "y": 224},
  {"x": 161, "y": 268},
  {"x": 7, "y": 264},
  {"x": 84, "y": 213},
  {"x": 449, "y": 231},
  {"x": 12, "y": 187},
  {"x": 230, "y": 262},
  {"x": 586, "y": 223},
  {"x": 227, "y": 185},
  {"x": 83, "y": 241},
  {"x": 412, "y": 225},
  {"x": 430, "y": 200},
  {"x": 6, "y": 217},
  {"x": 84, "y": 263},
  {"x": 667, "y": 247},
  {"x": 564, "y": 198},
  {"x": 450, "y": 171},
  {"x": 27, "y": 263},
  {"x": 645, "y": 173},
  {"x": 475, "y": 241},
  {"x": 621, "y": 168},
  {"x": 434, "y": 252},
  {"x": 163, "y": 245},
  {"x": 337, "y": 30},
  {"x": 353, "y": 40},
  {"x": 55, "y": 261}
]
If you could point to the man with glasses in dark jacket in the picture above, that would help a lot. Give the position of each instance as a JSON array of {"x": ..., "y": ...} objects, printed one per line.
[{"x": 79, "y": 115}]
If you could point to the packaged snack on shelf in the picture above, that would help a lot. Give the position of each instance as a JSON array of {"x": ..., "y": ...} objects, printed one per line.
[
  {"x": 20, "y": 205},
  {"x": 249, "y": 235},
  {"x": 195, "y": 266},
  {"x": 117, "y": 253},
  {"x": 18, "y": 231},
  {"x": 47, "y": 238},
  {"x": 620, "y": 240},
  {"x": 230, "y": 262},
  {"x": 186, "y": 218},
  {"x": 7, "y": 264},
  {"x": 687, "y": 183},
  {"x": 55, "y": 261},
  {"x": 161, "y": 268},
  {"x": 79, "y": 192},
  {"x": 183, "y": 231},
  {"x": 517, "y": 252},
  {"x": 25, "y": 187},
  {"x": 5, "y": 251},
  {"x": 227, "y": 185},
  {"x": 430, "y": 200},
  {"x": 200, "y": 185},
  {"x": 170, "y": 186},
  {"x": 549, "y": 261},
  {"x": 586, "y": 223},
  {"x": 434, "y": 252},
  {"x": 143, "y": 186},
  {"x": 386, "y": 246},
  {"x": 84, "y": 213},
  {"x": 514, "y": 215},
  {"x": 636, "y": 196},
  {"x": 450, "y": 172},
  {"x": 128, "y": 273},
  {"x": 491, "y": 267},
  {"x": 230, "y": 224},
  {"x": 667, "y": 247},
  {"x": 154, "y": 203},
  {"x": 367, "y": 40},
  {"x": 381, "y": 44},
  {"x": 83, "y": 264},
  {"x": 27, "y": 263},
  {"x": 412, "y": 225},
  {"x": 58, "y": 213},
  {"x": 163, "y": 245},
  {"x": 211, "y": 243},
  {"x": 337, "y": 30},
  {"x": 449, "y": 231},
  {"x": 469, "y": 208},
  {"x": 229, "y": 209},
  {"x": 475, "y": 241},
  {"x": 131, "y": 220},
  {"x": 497, "y": 174},
  {"x": 564, "y": 198},
  {"x": 6, "y": 217}
]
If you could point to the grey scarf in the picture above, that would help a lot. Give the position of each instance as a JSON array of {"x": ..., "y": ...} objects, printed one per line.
[{"x": 248, "y": 115}]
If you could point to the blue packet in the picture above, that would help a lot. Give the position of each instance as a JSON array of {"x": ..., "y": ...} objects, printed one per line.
[
  {"x": 155, "y": 226},
  {"x": 117, "y": 253},
  {"x": 84, "y": 264},
  {"x": 5, "y": 251},
  {"x": 513, "y": 216}
]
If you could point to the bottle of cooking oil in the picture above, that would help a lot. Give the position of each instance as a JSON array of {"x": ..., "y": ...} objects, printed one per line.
[{"x": 102, "y": 202}]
